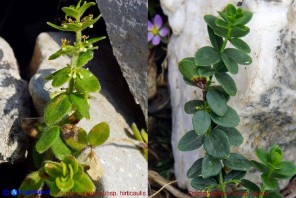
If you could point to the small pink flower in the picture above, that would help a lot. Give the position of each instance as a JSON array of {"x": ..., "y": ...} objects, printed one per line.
[{"x": 156, "y": 31}]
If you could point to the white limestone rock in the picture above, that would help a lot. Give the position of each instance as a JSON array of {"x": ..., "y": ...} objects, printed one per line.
[
  {"x": 14, "y": 105},
  {"x": 125, "y": 169},
  {"x": 266, "y": 98}
]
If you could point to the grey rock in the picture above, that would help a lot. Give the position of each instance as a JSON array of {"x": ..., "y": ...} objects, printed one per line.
[
  {"x": 266, "y": 98},
  {"x": 126, "y": 23},
  {"x": 14, "y": 105},
  {"x": 125, "y": 169}
]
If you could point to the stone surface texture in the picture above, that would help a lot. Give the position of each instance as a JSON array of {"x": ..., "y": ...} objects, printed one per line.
[
  {"x": 14, "y": 105},
  {"x": 125, "y": 169},
  {"x": 126, "y": 23},
  {"x": 266, "y": 98}
]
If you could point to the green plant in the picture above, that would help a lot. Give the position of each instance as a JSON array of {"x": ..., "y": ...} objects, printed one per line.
[
  {"x": 213, "y": 120},
  {"x": 141, "y": 137},
  {"x": 273, "y": 168},
  {"x": 60, "y": 140}
]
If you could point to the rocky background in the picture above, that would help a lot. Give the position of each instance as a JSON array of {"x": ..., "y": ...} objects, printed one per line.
[
  {"x": 122, "y": 77},
  {"x": 266, "y": 94}
]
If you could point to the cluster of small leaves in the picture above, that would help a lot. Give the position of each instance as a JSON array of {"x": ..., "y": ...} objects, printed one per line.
[
  {"x": 273, "y": 168},
  {"x": 61, "y": 177},
  {"x": 213, "y": 120},
  {"x": 59, "y": 137},
  {"x": 141, "y": 137}
]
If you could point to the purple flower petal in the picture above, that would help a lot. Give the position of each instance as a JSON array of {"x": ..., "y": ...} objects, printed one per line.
[
  {"x": 156, "y": 40},
  {"x": 163, "y": 31},
  {"x": 150, "y": 25},
  {"x": 157, "y": 21},
  {"x": 150, "y": 36}
]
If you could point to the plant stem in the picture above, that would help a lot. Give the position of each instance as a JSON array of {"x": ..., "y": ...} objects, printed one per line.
[
  {"x": 262, "y": 192},
  {"x": 223, "y": 45},
  {"x": 222, "y": 185},
  {"x": 74, "y": 61}
]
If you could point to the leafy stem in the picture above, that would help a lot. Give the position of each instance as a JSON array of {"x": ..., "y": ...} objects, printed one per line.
[
  {"x": 262, "y": 191},
  {"x": 222, "y": 185},
  {"x": 61, "y": 141}
]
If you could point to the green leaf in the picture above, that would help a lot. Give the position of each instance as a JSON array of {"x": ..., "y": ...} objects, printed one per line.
[
  {"x": 217, "y": 144},
  {"x": 136, "y": 132},
  {"x": 201, "y": 121},
  {"x": 234, "y": 136},
  {"x": 84, "y": 184},
  {"x": 216, "y": 40},
  {"x": 71, "y": 12},
  {"x": 238, "y": 56},
  {"x": 65, "y": 184},
  {"x": 240, "y": 44},
  {"x": 221, "y": 67},
  {"x": 229, "y": 119},
  {"x": 221, "y": 23},
  {"x": 210, "y": 166},
  {"x": 230, "y": 10},
  {"x": 237, "y": 162},
  {"x": 250, "y": 185},
  {"x": 54, "y": 190},
  {"x": 98, "y": 134},
  {"x": 270, "y": 183},
  {"x": 47, "y": 138},
  {"x": 195, "y": 170},
  {"x": 287, "y": 169},
  {"x": 61, "y": 77},
  {"x": 275, "y": 155},
  {"x": 53, "y": 169},
  {"x": 192, "y": 106},
  {"x": 84, "y": 58},
  {"x": 188, "y": 68},
  {"x": 86, "y": 81},
  {"x": 76, "y": 140},
  {"x": 222, "y": 91},
  {"x": 59, "y": 149},
  {"x": 88, "y": 23},
  {"x": 206, "y": 56},
  {"x": 227, "y": 83},
  {"x": 190, "y": 141},
  {"x": 259, "y": 166},
  {"x": 94, "y": 40},
  {"x": 57, "y": 27},
  {"x": 245, "y": 19},
  {"x": 206, "y": 71},
  {"x": 211, "y": 21},
  {"x": 64, "y": 51},
  {"x": 261, "y": 154},
  {"x": 223, "y": 16},
  {"x": 144, "y": 135},
  {"x": 200, "y": 183},
  {"x": 239, "y": 31},
  {"x": 84, "y": 7},
  {"x": 235, "y": 175},
  {"x": 32, "y": 181},
  {"x": 231, "y": 65},
  {"x": 56, "y": 109},
  {"x": 81, "y": 104},
  {"x": 216, "y": 101}
]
